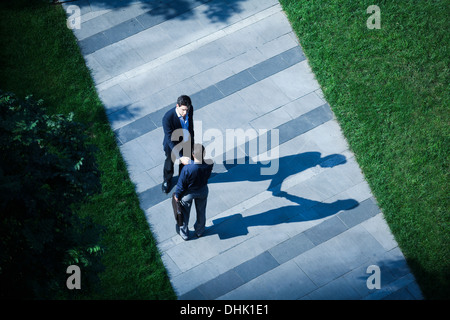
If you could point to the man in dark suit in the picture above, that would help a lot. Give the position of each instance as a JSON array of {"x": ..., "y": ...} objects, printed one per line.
[
  {"x": 192, "y": 186},
  {"x": 178, "y": 125}
]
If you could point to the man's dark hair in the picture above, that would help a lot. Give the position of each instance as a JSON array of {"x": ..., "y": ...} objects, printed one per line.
[
  {"x": 184, "y": 101},
  {"x": 199, "y": 151}
]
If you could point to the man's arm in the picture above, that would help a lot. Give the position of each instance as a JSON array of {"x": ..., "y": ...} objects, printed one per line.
[
  {"x": 168, "y": 130},
  {"x": 191, "y": 124},
  {"x": 210, "y": 164}
]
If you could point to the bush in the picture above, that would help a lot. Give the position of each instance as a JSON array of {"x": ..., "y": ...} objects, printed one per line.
[{"x": 46, "y": 170}]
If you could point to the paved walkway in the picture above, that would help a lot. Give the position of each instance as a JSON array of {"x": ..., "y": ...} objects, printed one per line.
[{"x": 311, "y": 230}]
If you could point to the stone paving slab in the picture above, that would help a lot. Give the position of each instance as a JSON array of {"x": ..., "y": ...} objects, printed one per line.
[{"x": 309, "y": 231}]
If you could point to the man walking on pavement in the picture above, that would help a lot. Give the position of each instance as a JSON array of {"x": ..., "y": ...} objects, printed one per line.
[
  {"x": 178, "y": 126},
  {"x": 193, "y": 186}
]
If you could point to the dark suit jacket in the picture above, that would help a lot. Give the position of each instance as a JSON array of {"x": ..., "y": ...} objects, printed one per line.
[{"x": 170, "y": 123}]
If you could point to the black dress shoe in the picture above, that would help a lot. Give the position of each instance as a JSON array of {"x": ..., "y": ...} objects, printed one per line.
[{"x": 165, "y": 187}]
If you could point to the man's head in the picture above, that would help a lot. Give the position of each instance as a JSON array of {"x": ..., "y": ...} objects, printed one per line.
[
  {"x": 198, "y": 152},
  {"x": 183, "y": 105}
]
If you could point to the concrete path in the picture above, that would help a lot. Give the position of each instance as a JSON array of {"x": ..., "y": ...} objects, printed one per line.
[{"x": 310, "y": 229}]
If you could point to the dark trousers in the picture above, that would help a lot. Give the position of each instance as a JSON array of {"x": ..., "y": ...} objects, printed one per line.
[
  {"x": 200, "y": 198},
  {"x": 169, "y": 168}
]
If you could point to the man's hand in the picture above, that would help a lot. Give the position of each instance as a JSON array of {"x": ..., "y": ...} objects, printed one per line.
[{"x": 184, "y": 160}]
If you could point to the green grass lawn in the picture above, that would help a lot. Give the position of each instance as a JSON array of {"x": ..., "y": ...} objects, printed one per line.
[
  {"x": 40, "y": 56},
  {"x": 389, "y": 89}
]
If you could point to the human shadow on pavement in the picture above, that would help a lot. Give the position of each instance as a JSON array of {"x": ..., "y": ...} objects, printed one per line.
[
  {"x": 245, "y": 169},
  {"x": 302, "y": 209}
]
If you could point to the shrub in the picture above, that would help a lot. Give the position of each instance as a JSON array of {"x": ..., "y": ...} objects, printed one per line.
[{"x": 46, "y": 170}]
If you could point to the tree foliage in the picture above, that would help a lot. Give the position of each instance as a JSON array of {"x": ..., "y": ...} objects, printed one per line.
[{"x": 47, "y": 168}]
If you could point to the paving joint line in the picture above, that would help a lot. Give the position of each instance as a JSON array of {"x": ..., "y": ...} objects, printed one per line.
[
  {"x": 149, "y": 119},
  {"x": 249, "y": 203},
  {"x": 281, "y": 263},
  {"x": 148, "y": 197},
  {"x": 326, "y": 229},
  {"x": 189, "y": 47}
]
